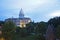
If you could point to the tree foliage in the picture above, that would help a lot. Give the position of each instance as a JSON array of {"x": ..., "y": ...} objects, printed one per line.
[
  {"x": 8, "y": 26},
  {"x": 8, "y": 29},
  {"x": 1, "y": 22},
  {"x": 58, "y": 31},
  {"x": 41, "y": 27},
  {"x": 55, "y": 21}
]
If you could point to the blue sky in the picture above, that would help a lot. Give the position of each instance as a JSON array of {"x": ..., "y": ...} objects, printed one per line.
[{"x": 37, "y": 10}]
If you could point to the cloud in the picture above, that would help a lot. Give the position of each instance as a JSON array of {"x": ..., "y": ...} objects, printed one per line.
[
  {"x": 27, "y": 5},
  {"x": 32, "y": 8},
  {"x": 55, "y": 13}
]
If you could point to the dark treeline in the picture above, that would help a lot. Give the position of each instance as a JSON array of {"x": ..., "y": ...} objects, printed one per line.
[{"x": 32, "y": 31}]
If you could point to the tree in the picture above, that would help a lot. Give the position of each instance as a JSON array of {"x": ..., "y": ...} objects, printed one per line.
[
  {"x": 39, "y": 37},
  {"x": 22, "y": 32},
  {"x": 58, "y": 32},
  {"x": 41, "y": 27},
  {"x": 30, "y": 27},
  {"x": 56, "y": 22},
  {"x": 1, "y": 25},
  {"x": 8, "y": 29},
  {"x": 1, "y": 22}
]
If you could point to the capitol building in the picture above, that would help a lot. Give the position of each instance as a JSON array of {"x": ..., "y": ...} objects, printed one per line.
[{"x": 21, "y": 21}]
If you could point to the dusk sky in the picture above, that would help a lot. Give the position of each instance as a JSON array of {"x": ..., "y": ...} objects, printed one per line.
[{"x": 37, "y": 10}]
